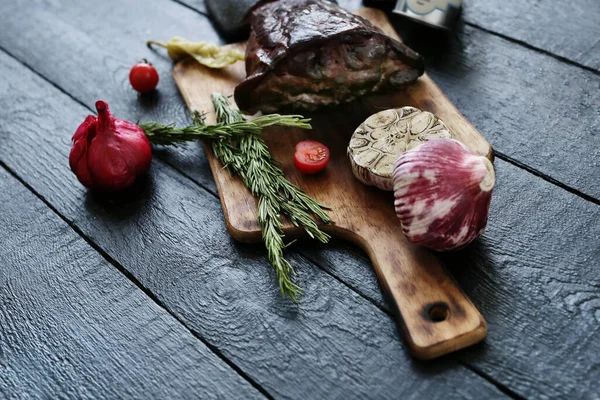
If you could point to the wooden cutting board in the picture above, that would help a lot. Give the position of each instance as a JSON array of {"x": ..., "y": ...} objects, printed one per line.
[{"x": 435, "y": 315}]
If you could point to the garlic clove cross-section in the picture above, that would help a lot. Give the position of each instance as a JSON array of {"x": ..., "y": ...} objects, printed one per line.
[
  {"x": 376, "y": 143},
  {"x": 442, "y": 194}
]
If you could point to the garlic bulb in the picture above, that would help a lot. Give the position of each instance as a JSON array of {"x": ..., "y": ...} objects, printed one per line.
[
  {"x": 442, "y": 194},
  {"x": 378, "y": 142}
]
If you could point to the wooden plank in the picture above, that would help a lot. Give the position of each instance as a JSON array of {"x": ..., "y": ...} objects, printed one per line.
[
  {"x": 73, "y": 327},
  {"x": 170, "y": 235},
  {"x": 567, "y": 29},
  {"x": 242, "y": 255},
  {"x": 519, "y": 113},
  {"x": 535, "y": 278}
]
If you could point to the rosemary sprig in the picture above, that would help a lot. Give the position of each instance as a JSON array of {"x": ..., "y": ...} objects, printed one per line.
[
  {"x": 236, "y": 142},
  {"x": 251, "y": 160},
  {"x": 297, "y": 205},
  {"x": 169, "y": 134}
]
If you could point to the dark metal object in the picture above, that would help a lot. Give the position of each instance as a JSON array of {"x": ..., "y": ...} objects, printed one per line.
[
  {"x": 435, "y": 13},
  {"x": 228, "y": 16}
]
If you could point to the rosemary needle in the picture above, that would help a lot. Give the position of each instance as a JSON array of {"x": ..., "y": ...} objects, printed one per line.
[
  {"x": 169, "y": 134},
  {"x": 249, "y": 157},
  {"x": 237, "y": 143}
]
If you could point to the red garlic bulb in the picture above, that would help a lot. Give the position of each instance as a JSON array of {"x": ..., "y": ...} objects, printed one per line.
[
  {"x": 109, "y": 153},
  {"x": 442, "y": 194}
]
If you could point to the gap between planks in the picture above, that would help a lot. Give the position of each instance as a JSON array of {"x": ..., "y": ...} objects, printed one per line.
[
  {"x": 523, "y": 43},
  {"x": 499, "y": 154},
  {"x": 545, "y": 177},
  {"x": 136, "y": 282},
  {"x": 152, "y": 297},
  {"x": 504, "y": 389},
  {"x": 215, "y": 350},
  {"x": 191, "y": 7}
]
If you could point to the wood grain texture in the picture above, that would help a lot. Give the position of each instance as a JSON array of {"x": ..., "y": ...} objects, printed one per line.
[
  {"x": 522, "y": 101},
  {"x": 567, "y": 29},
  {"x": 73, "y": 327},
  {"x": 170, "y": 234},
  {"x": 175, "y": 272},
  {"x": 534, "y": 275},
  {"x": 89, "y": 48},
  {"x": 412, "y": 276},
  {"x": 531, "y": 107}
]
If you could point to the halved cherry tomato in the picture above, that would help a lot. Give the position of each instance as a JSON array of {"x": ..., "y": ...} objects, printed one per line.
[
  {"x": 143, "y": 77},
  {"x": 311, "y": 156}
]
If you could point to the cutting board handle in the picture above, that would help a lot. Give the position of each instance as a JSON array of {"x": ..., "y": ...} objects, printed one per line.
[{"x": 436, "y": 316}]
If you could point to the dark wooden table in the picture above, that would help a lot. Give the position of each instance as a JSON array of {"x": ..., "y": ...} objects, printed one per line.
[{"x": 145, "y": 295}]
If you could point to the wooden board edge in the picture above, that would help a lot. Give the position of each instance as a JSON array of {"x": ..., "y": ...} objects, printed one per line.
[{"x": 241, "y": 235}]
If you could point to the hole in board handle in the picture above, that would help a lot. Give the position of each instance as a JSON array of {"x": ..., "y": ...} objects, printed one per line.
[{"x": 437, "y": 312}]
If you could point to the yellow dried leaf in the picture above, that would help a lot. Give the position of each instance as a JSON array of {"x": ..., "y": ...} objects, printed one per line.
[{"x": 208, "y": 54}]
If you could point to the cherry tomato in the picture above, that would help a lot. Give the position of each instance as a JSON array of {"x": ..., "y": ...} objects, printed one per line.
[
  {"x": 143, "y": 77},
  {"x": 311, "y": 156}
]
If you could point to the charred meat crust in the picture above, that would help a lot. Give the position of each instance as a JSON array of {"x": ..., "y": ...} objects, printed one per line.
[{"x": 285, "y": 28}]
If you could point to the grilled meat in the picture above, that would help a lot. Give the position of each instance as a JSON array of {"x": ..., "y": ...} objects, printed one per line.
[{"x": 306, "y": 54}]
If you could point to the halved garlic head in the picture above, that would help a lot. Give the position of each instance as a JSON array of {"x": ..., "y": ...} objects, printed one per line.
[
  {"x": 377, "y": 142},
  {"x": 442, "y": 194}
]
